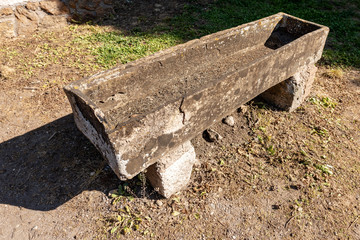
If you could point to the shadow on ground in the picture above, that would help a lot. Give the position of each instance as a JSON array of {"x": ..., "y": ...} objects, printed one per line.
[{"x": 48, "y": 166}]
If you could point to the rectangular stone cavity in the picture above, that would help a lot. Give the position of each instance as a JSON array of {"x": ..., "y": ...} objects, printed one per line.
[{"x": 138, "y": 112}]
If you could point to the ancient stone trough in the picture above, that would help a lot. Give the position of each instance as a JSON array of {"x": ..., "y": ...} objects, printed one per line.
[{"x": 142, "y": 115}]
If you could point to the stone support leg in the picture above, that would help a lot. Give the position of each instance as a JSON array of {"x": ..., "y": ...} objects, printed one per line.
[
  {"x": 172, "y": 173},
  {"x": 289, "y": 94}
]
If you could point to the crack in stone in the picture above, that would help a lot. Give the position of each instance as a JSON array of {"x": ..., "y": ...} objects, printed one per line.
[{"x": 181, "y": 110}]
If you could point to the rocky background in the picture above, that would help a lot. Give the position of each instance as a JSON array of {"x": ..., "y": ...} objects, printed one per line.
[{"x": 24, "y": 18}]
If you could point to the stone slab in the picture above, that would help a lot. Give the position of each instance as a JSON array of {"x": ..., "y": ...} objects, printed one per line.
[{"x": 137, "y": 113}]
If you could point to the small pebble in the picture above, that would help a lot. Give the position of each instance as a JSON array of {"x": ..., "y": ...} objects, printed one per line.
[
  {"x": 159, "y": 203},
  {"x": 229, "y": 120},
  {"x": 6, "y": 72},
  {"x": 92, "y": 174},
  {"x": 211, "y": 136}
]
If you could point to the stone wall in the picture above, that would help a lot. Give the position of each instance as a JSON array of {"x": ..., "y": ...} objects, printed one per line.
[{"x": 23, "y": 17}]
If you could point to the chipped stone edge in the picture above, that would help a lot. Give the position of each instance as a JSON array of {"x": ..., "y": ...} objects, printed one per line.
[
  {"x": 172, "y": 173},
  {"x": 117, "y": 164}
]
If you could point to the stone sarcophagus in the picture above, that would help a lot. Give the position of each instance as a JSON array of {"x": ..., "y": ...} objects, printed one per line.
[{"x": 142, "y": 115}]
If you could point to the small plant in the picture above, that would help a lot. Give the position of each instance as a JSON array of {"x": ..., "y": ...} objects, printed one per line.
[
  {"x": 221, "y": 162},
  {"x": 271, "y": 150},
  {"x": 322, "y": 132},
  {"x": 263, "y": 129},
  {"x": 125, "y": 221},
  {"x": 261, "y": 140},
  {"x": 325, "y": 102},
  {"x": 261, "y": 105},
  {"x": 123, "y": 192},
  {"x": 327, "y": 169}
]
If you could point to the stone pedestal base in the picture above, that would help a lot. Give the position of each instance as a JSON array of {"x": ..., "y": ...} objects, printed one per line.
[
  {"x": 172, "y": 173},
  {"x": 289, "y": 94}
]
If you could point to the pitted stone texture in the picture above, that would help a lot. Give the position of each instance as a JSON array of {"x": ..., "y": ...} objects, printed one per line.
[
  {"x": 32, "y": 6},
  {"x": 289, "y": 94},
  {"x": 28, "y": 21},
  {"x": 22, "y": 12},
  {"x": 172, "y": 173},
  {"x": 6, "y": 12}
]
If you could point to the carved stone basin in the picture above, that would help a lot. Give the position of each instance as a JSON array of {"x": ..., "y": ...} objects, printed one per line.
[{"x": 146, "y": 111}]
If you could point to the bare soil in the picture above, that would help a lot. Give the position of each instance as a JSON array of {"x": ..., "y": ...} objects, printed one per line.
[{"x": 274, "y": 175}]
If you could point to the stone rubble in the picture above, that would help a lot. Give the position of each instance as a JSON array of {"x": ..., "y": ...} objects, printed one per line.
[
  {"x": 211, "y": 135},
  {"x": 229, "y": 120},
  {"x": 22, "y": 18}
]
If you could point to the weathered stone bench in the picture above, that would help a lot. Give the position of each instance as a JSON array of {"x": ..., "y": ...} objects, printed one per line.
[{"x": 142, "y": 115}]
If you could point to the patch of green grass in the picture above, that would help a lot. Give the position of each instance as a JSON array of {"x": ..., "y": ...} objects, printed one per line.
[
  {"x": 326, "y": 169},
  {"x": 322, "y": 132},
  {"x": 325, "y": 102},
  {"x": 126, "y": 221},
  {"x": 116, "y": 47}
]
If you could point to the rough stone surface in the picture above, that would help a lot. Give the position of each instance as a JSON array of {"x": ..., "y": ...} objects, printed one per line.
[
  {"x": 104, "y": 10},
  {"x": 30, "y": 16},
  {"x": 229, "y": 120},
  {"x": 82, "y": 14},
  {"x": 28, "y": 21},
  {"x": 7, "y": 28},
  {"x": 211, "y": 135},
  {"x": 138, "y": 112},
  {"x": 90, "y": 5},
  {"x": 108, "y": 2},
  {"x": 22, "y": 12},
  {"x": 289, "y": 94},
  {"x": 32, "y": 6},
  {"x": 6, "y": 12},
  {"x": 54, "y": 7},
  {"x": 72, "y": 4},
  {"x": 173, "y": 171}
]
